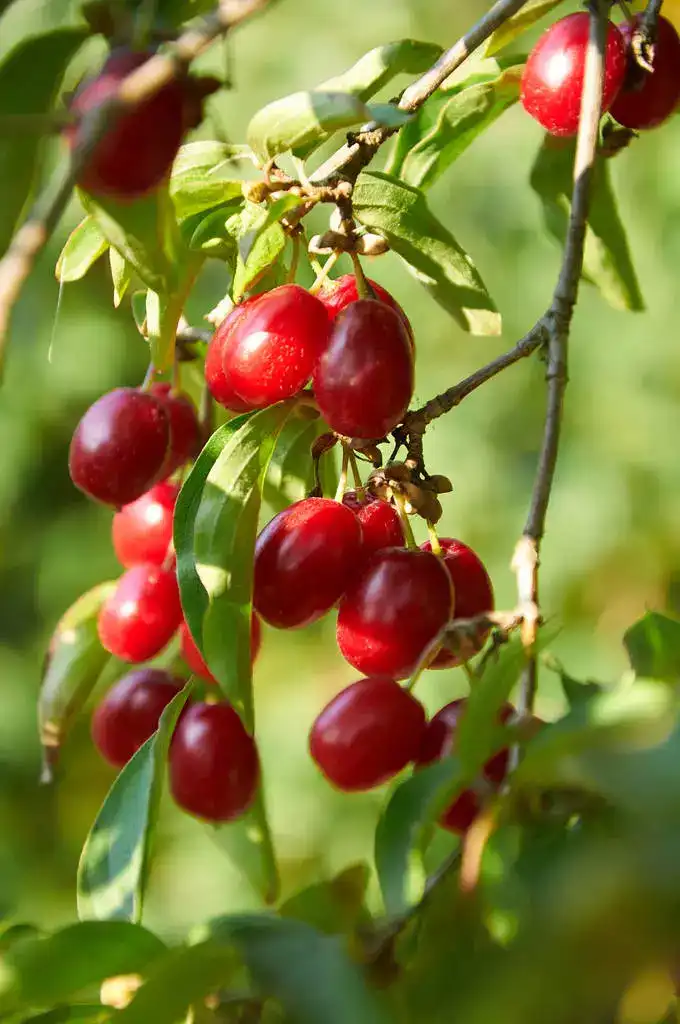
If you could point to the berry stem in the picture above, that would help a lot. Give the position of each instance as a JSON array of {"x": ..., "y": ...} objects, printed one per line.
[
  {"x": 364, "y": 290},
  {"x": 342, "y": 481},
  {"x": 358, "y": 483},
  {"x": 322, "y": 272},
  {"x": 434, "y": 539},
  {"x": 400, "y": 503},
  {"x": 426, "y": 657},
  {"x": 295, "y": 259}
]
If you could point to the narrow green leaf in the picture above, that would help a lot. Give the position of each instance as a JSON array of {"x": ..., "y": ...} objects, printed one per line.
[
  {"x": 260, "y": 240},
  {"x": 121, "y": 275},
  {"x": 607, "y": 264},
  {"x": 519, "y": 23},
  {"x": 54, "y": 969},
  {"x": 30, "y": 76},
  {"x": 91, "y": 1013},
  {"x": 400, "y": 214},
  {"x": 301, "y": 120},
  {"x": 17, "y": 933},
  {"x": 203, "y": 176},
  {"x": 83, "y": 248},
  {"x": 113, "y": 868},
  {"x": 379, "y": 66},
  {"x": 653, "y": 646},
  {"x": 290, "y": 476},
  {"x": 335, "y": 906}
]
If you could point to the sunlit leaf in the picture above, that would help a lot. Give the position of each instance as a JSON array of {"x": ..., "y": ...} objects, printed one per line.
[
  {"x": 529, "y": 14},
  {"x": 83, "y": 248},
  {"x": 653, "y": 646}
]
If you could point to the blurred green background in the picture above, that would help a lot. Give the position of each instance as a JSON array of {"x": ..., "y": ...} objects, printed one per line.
[{"x": 612, "y": 548}]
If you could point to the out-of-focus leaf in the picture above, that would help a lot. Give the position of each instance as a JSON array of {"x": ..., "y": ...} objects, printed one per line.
[
  {"x": 203, "y": 177},
  {"x": 207, "y": 232},
  {"x": 83, "y": 247},
  {"x": 121, "y": 275},
  {"x": 653, "y": 646},
  {"x": 379, "y": 66},
  {"x": 91, "y": 1013},
  {"x": 519, "y": 23},
  {"x": 400, "y": 214},
  {"x": 333, "y": 907},
  {"x": 607, "y": 264},
  {"x": 260, "y": 240},
  {"x": 114, "y": 863}
]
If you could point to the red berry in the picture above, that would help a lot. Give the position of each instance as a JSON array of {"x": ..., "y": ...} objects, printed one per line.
[
  {"x": 142, "y": 530},
  {"x": 552, "y": 82},
  {"x": 272, "y": 350},
  {"x": 647, "y": 99},
  {"x": 142, "y": 614},
  {"x": 119, "y": 447},
  {"x": 367, "y": 734},
  {"x": 130, "y": 711},
  {"x": 185, "y": 432},
  {"x": 381, "y": 526},
  {"x": 393, "y": 610},
  {"x": 136, "y": 154},
  {"x": 472, "y": 590},
  {"x": 215, "y": 377},
  {"x": 194, "y": 658},
  {"x": 214, "y": 768},
  {"x": 338, "y": 294},
  {"x": 304, "y": 560},
  {"x": 364, "y": 380}
]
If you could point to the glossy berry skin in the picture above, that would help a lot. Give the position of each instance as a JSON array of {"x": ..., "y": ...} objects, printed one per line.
[
  {"x": 367, "y": 734},
  {"x": 185, "y": 432},
  {"x": 130, "y": 711},
  {"x": 214, "y": 767},
  {"x": 472, "y": 588},
  {"x": 272, "y": 350},
  {"x": 647, "y": 100},
  {"x": 136, "y": 155},
  {"x": 338, "y": 294},
  {"x": 118, "y": 449},
  {"x": 380, "y": 523},
  {"x": 392, "y": 610},
  {"x": 218, "y": 384},
  {"x": 439, "y": 741},
  {"x": 194, "y": 658},
  {"x": 364, "y": 380},
  {"x": 304, "y": 560},
  {"x": 552, "y": 82},
  {"x": 142, "y": 530},
  {"x": 142, "y": 614}
]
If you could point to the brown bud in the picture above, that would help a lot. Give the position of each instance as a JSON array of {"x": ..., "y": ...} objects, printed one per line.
[
  {"x": 398, "y": 471},
  {"x": 440, "y": 484},
  {"x": 255, "y": 191},
  {"x": 323, "y": 444},
  {"x": 329, "y": 242},
  {"x": 372, "y": 245}
]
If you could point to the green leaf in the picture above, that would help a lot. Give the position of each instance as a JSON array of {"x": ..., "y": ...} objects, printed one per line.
[
  {"x": 413, "y": 807},
  {"x": 260, "y": 240},
  {"x": 400, "y": 214},
  {"x": 310, "y": 974},
  {"x": 121, "y": 275},
  {"x": 290, "y": 476},
  {"x": 83, "y": 247},
  {"x": 379, "y": 66},
  {"x": 519, "y": 23},
  {"x": 199, "y": 178},
  {"x": 607, "y": 262},
  {"x": 450, "y": 122},
  {"x": 114, "y": 863},
  {"x": 335, "y": 906},
  {"x": 653, "y": 646},
  {"x": 30, "y": 76},
  {"x": 74, "y": 662},
  {"x": 44, "y": 971}
]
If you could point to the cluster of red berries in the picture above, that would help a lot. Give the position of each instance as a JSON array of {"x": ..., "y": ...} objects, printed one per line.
[{"x": 552, "y": 83}]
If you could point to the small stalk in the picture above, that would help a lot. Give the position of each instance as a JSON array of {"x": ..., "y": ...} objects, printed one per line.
[
  {"x": 323, "y": 272},
  {"x": 434, "y": 540},
  {"x": 342, "y": 482},
  {"x": 428, "y": 655},
  {"x": 148, "y": 377},
  {"x": 295, "y": 259},
  {"x": 405, "y": 522},
  {"x": 364, "y": 290},
  {"x": 360, "y": 489}
]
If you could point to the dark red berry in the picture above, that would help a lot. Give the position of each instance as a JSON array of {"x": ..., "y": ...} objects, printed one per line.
[
  {"x": 142, "y": 614},
  {"x": 367, "y": 734},
  {"x": 273, "y": 348},
  {"x": 142, "y": 530},
  {"x": 194, "y": 658},
  {"x": 472, "y": 590},
  {"x": 214, "y": 768},
  {"x": 648, "y": 99},
  {"x": 215, "y": 377},
  {"x": 119, "y": 447},
  {"x": 393, "y": 610},
  {"x": 304, "y": 560},
  {"x": 381, "y": 526},
  {"x": 552, "y": 82},
  {"x": 185, "y": 432},
  {"x": 364, "y": 380},
  {"x": 136, "y": 154},
  {"x": 338, "y": 294},
  {"x": 130, "y": 711}
]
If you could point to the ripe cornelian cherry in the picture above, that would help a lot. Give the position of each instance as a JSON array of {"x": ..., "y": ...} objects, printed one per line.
[
  {"x": 339, "y": 293},
  {"x": 367, "y": 734},
  {"x": 215, "y": 377},
  {"x": 214, "y": 768},
  {"x": 137, "y": 153},
  {"x": 439, "y": 741},
  {"x": 130, "y": 711},
  {"x": 472, "y": 590},
  {"x": 271, "y": 351},
  {"x": 194, "y": 658},
  {"x": 142, "y": 614},
  {"x": 380, "y": 523},
  {"x": 364, "y": 380},
  {"x": 118, "y": 449},
  {"x": 552, "y": 82},
  {"x": 304, "y": 560},
  {"x": 185, "y": 432},
  {"x": 648, "y": 99},
  {"x": 392, "y": 610},
  {"x": 142, "y": 530}
]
